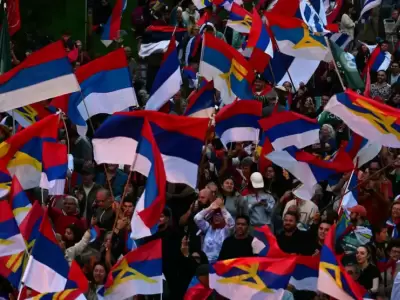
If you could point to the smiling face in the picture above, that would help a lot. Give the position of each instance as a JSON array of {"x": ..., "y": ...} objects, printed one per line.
[
  {"x": 362, "y": 255},
  {"x": 99, "y": 274},
  {"x": 228, "y": 185}
]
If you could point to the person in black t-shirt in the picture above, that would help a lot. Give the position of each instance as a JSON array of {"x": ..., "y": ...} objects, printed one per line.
[
  {"x": 369, "y": 276},
  {"x": 240, "y": 244},
  {"x": 291, "y": 240}
]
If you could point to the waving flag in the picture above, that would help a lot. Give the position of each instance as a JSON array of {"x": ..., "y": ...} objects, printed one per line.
[
  {"x": 22, "y": 155},
  {"x": 197, "y": 291},
  {"x": 112, "y": 27},
  {"x": 137, "y": 273},
  {"x": 362, "y": 150},
  {"x": 267, "y": 238},
  {"x": 282, "y": 65},
  {"x": 294, "y": 38},
  {"x": 350, "y": 198},
  {"x": 239, "y": 19},
  {"x": 55, "y": 167},
  {"x": 102, "y": 81},
  {"x": 260, "y": 41},
  {"x": 333, "y": 279},
  {"x": 305, "y": 274},
  {"x": 152, "y": 202},
  {"x": 308, "y": 168},
  {"x": 311, "y": 17},
  {"x": 341, "y": 39},
  {"x": 368, "y": 6},
  {"x": 238, "y": 122},
  {"x": 232, "y": 74},
  {"x": 56, "y": 274},
  {"x": 11, "y": 240},
  {"x": 287, "y": 128},
  {"x": 191, "y": 75},
  {"x": 251, "y": 278},
  {"x": 31, "y": 224},
  {"x": 11, "y": 268},
  {"x": 19, "y": 201},
  {"x": 168, "y": 80},
  {"x": 71, "y": 294},
  {"x": 27, "y": 115},
  {"x": 157, "y": 38},
  {"x": 44, "y": 74},
  {"x": 170, "y": 133},
  {"x": 94, "y": 233},
  {"x": 375, "y": 121},
  {"x": 378, "y": 61},
  {"x": 201, "y": 103}
]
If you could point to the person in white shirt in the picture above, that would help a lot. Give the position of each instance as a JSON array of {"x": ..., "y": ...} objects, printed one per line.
[{"x": 306, "y": 210}]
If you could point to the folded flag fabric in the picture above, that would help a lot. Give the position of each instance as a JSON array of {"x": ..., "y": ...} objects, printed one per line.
[
  {"x": 157, "y": 38},
  {"x": 201, "y": 103},
  {"x": 373, "y": 120},
  {"x": 378, "y": 61},
  {"x": 71, "y": 294},
  {"x": 346, "y": 63},
  {"x": 341, "y": 39},
  {"x": 305, "y": 274},
  {"x": 168, "y": 80},
  {"x": 21, "y": 155},
  {"x": 11, "y": 240},
  {"x": 191, "y": 75},
  {"x": 238, "y": 122},
  {"x": 94, "y": 233},
  {"x": 285, "y": 129},
  {"x": 170, "y": 133},
  {"x": 311, "y": 17},
  {"x": 197, "y": 291},
  {"x": 27, "y": 115},
  {"x": 19, "y": 201},
  {"x": 56, "y": 274},
  {"x": 44, "y": 74},
  {"x": 112, "y": 27},
  {"x": 239, "y": 19},
  {"x": 362, "y": 150},
  {"x": 137, "y": 273},
  {"x": 152, "y": 201},
  {"x": 102, "y": 81},
  {"x": 251, "y": 278},
  {"x": 267, "y": 238},
  {"x": 55, "y": 168},
  {"x": 233, "y": 76},
  {"x": 367, "y": 8}
]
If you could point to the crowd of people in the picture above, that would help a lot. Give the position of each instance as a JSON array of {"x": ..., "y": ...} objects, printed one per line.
[{"x": 235, "y": 194}]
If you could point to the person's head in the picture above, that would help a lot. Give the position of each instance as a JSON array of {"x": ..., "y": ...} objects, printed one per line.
[
  {"x": 270, "y": 173},
  {"x": 309, "y": 102},
  {"x": 228, "y": 186},
  {"x": 128, "y": 52},
  {"x": 78, "y": 45},
  {"x": 374, "y": 167},
  {"x": 324, "y": 100},
  {"x": 395, "y": 68},
  {"x": 259, "y": 83},
  {"x": 395, "y": 210},
  {"x": 88, "y": 176},
  {"x": 353, "y": 270},
  {"x": 242, "y": 226},
  {"x": 217, "y": 220},
  {"x": 165, "y": 218},
  {"x": 381, "y": 77},
  {"x": 128, "y": 206},
  {"x": 257, "y": 181},
  {"x": 393, "y": 249},
  {"x": 380, "y": 233},
  {"x": 70, "y": 205},
  {"x": 191, "y": 7},
  {"x": 194, "y": 30},
  {"x": 205, "y": 196},
  {"x": 290, "y": 221},
  {"x": 103, "y": 198},
  {"x": 323, "y": 230},
  {"x": 357, "y": 213},
  {"x": 288, "y": 86},
  {"x": 363, "y": 255},
  {"x": 210, "y": 29},
  {"x": 112, "y": 168},
  {"x": 212, "y": 186},
  {"x": 245, "y": 166},
  {"x": 395, "y": 14},
  {"x": 104, "y": 2},
  {"x": 364, "y": 48},
  {"x": 384, "y": 46},
  {"x": 326, "y": 133},
  {"x": 99, "y": 273},
  {"x": 72, "y": 235}
]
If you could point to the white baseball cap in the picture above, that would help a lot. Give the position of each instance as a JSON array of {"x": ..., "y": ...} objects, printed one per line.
[{"x": 257, "y": 180}]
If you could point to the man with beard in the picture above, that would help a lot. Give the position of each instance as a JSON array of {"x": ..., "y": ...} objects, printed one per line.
[
  {"x": 204, "y": 200},
  {"x": 291, "y": 240},
  {"x": 240, "y": 244}
]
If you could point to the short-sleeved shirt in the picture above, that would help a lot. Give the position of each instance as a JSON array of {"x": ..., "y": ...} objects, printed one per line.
[{"x": 367, "y": 276}]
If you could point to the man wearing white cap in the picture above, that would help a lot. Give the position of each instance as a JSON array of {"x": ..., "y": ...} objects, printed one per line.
[{"x": 260, "y": 203}]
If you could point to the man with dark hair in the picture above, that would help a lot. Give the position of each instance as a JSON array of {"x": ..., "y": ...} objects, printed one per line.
[
  {"x": 240, "y": 244},
  {"x": 291, "y": 240}
]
